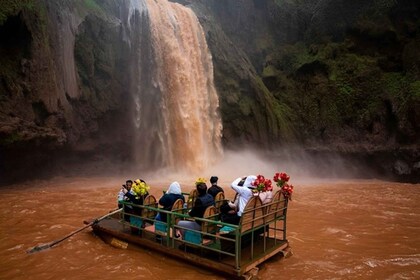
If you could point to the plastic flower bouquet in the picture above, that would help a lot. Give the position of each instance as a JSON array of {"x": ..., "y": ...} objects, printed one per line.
[
  {"x": 140, "y": 188},
  {"x": 199, "y": 181},
  {"x": 262, "y": 185},
  {"x": 282, "y": 180}
]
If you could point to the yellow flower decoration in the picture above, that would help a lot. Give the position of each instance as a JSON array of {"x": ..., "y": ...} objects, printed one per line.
[
  {"x": 200, "y": 180},
  {"x": 140, "y": 188}
]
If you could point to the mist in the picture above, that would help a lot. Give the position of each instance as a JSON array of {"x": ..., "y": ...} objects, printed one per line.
[{"x": 303, "y": 167}]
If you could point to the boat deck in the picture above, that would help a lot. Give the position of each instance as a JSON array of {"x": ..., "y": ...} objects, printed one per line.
[{"x": 212, "y": 254}]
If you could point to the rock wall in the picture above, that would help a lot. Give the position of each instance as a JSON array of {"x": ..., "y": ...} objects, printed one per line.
[
  {"x": 334, "y": 75},
  {"x": 63, "y": 86}
]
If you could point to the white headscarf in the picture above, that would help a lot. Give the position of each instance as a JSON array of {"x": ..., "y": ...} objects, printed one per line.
[
  {"x": 174, "y": 188},
  {"x": 249, "y": 180},
  {"x": 244, "y": 191}
]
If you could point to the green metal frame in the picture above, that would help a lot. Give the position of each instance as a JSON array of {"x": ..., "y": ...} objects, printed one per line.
[{"x": 267, "y": 227}]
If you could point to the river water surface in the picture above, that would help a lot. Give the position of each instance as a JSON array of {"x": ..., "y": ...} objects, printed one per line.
[{"x": 337, "y": 230}]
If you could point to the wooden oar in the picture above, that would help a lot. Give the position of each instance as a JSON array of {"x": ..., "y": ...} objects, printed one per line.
[{"x": 49, "y": 245}]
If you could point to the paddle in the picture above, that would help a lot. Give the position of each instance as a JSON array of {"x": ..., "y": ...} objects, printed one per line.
[{"x": 49, "y": 245}]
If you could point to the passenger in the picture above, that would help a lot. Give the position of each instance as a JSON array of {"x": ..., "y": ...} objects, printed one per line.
[
  {"x": 168, "y": 199},
  {"x": 137, "y": 192},
  {"x": 231, "y": 212},
  {"x": 136, "y": 195},
  {"x": 121, "y": 198},
  {"x": 121, "y": 194},
  {"x": 214, "y": 189},
  {"x": 203, "y": 201}
]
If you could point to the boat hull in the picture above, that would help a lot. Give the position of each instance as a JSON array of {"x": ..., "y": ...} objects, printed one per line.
[{"x": 119, "y": 234}]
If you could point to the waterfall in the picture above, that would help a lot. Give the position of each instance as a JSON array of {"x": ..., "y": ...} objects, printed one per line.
[{"x": 176, "y": 103}]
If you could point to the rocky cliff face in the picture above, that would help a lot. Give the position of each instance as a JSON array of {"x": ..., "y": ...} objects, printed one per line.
[
  {"x": 328, "y": 76},
  {"x": 334, "y": 76},
  {"x": 63, "y": 87}
]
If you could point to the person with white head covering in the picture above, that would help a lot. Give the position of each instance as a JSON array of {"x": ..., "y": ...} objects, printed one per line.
[
  {"x": 174, "y": 188},
  {"x": 168, "y": 199},
  {"x": 243, "y": 187},
  {"x": 201, "y": 203}
]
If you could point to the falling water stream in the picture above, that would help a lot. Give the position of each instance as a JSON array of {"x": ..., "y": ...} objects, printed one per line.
[
  {"x": 336, "y": 229},
  {"x": 176, "y": 103}
]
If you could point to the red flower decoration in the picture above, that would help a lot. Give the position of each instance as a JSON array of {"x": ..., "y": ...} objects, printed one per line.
[
  {"x": 262, "y": 185},
  {"x": 281, "y": 180}
]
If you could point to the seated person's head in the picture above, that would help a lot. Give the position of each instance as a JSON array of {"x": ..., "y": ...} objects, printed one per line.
[
  {"x": 201, "y": 188},
  {"x": 128, "y": 184},
  {"x": 213, "y": 180},
  {"x": 247, "y": 181}
]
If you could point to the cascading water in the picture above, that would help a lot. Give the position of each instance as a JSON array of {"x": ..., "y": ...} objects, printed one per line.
[{"x": 175, "y": 99}]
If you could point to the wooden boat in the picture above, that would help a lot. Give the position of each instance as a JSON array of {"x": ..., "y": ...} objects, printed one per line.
[{"x": 260, "y": 235}]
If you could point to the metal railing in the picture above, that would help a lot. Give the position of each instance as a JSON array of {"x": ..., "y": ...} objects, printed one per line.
[{"x": 271, "y": 227}]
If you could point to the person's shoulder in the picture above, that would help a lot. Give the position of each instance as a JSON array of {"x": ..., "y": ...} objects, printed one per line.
[
  {"x": 166, "y": 196},
  {"x": 209, "y": 196}
]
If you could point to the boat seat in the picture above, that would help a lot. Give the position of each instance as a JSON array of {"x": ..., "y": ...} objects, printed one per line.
[
  {"x": 207, "y": 227},
  {"x": 149, "y": 201},
  {"x": 250, "y": 225},
  {"x": 146, "y": 214},
  {"x": 191, "y": 198},
  {"x": 276, "y": 209},
  {"x": 219, "y": 199},
  {"x": 161, "y": 227},
  {"x": 210, "y": 214},
  {"x": 253, "y": 215}
]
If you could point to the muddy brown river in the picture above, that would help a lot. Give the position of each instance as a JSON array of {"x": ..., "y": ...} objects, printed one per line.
[{"x": 337, "y": 230}]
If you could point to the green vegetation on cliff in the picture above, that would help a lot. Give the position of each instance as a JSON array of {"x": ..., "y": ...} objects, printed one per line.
[
  {"x": 13, "y": 7},
  {"x": 363, "y": 87}
]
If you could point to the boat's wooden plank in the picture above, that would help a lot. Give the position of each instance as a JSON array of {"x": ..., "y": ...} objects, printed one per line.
[
  {"x": 109, "y": 229},
  {"x": 112, "y": 228}
]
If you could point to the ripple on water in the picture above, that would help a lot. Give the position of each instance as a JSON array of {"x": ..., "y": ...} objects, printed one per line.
[
  {"x": 55, "y": 226},
  {"x": 17, "y": 247},
  {"x": 405, "y": 275},
  {"x": 335, "y": 230},
  {"x": 342, "y": 234},
  {"x": 408, "y": 260},
  {"x": 40, "y": 237}
]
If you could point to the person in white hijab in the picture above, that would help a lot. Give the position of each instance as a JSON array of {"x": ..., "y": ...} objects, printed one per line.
[
  {"x": 168, "y": 199},
  {"x": 243, "y": 187},
  {"x": 174, "y": 188}
]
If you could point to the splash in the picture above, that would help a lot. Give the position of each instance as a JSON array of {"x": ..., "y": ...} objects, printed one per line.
[{"x": 183, "y": 130}]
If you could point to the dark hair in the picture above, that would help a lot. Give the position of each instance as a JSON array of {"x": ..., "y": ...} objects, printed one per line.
[
  {"x": 242, "y": 182},
  {"x": 202, "y": 189},
  {"x": 129, "y": 181},
  {"x": 213, "y": 179}
]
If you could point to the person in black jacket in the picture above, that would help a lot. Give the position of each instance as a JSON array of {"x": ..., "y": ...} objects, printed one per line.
[
  {"x": 214, "y": 189},
  {"x": 203, "y": 201},
  {"x": 137, "y": 199},
  {"x": 168, "y": 199}
]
